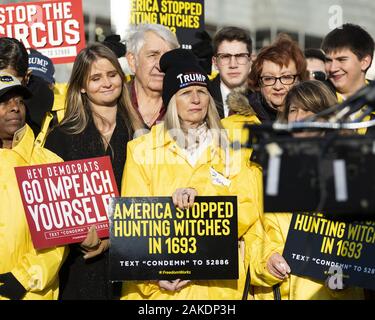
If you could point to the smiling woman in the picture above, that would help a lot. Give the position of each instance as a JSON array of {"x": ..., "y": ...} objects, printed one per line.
[
  {"x": 99, "y": 120},
  {"x": 104, "y": 84}
]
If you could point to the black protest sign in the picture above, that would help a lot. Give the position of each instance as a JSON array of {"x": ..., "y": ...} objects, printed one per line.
[
  {"x": 319, "y": 247},
  {"x": 183, "y": 17},
  {"x": 151, "y": 239}
]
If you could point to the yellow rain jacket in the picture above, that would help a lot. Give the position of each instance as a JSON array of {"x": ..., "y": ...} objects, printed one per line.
[
  {"x": 268, "y": 234},
  {"x": 371, "y": 116},
  {"x": 276, "y": 227},
  {"x": 36, "y": 270},
  {"x": 243, "y": 114},
  {"x": 157, "y": 166}
]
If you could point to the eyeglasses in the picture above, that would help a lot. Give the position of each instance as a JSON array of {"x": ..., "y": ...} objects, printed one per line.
[
  {"x": 270, "y": 81},
  {"x": 319, "y": 75},
  {"x": 226, "y": 58}
]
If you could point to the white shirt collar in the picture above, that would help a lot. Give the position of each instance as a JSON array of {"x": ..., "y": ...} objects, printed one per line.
[{"x": 224, "y": 93}]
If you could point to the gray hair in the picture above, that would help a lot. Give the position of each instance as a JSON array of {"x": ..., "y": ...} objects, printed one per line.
[{"x": 136, "y": 38}]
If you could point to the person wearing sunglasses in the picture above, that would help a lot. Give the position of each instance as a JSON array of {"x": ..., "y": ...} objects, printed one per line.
[{"x": 277, "y": 68}]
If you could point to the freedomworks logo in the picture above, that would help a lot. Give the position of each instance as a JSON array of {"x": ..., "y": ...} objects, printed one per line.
[{"x": 191, "y": 78}]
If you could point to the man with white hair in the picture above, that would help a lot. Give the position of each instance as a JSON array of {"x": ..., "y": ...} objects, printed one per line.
[{"x": 146, "y": 44}]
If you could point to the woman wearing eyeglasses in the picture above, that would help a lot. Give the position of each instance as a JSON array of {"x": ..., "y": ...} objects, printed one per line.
[{"x": 275, "y": 71}]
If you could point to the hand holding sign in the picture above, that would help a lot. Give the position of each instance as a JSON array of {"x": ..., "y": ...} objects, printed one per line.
[
  {"x": 93, "y": 246},
  {"x": 278, "y": 267},
  {"x": 63, "y": 200},
  {"x": 152, "y": 239},
  {"x": 183, "y": 198},
  {"x": 172, "y": 285}
]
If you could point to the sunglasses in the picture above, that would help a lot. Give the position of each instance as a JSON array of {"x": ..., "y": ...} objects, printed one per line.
[{"x": 319, "y": 75}]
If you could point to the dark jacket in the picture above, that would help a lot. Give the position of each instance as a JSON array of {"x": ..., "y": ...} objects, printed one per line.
[
  {"x": 39, "y": 103},
  {"x": 216, "y": 94},
  {"x": 262, "y": 109},
  {"x": 81, "y": 279}
]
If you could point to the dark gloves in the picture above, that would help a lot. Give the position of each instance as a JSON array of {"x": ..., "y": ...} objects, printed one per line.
[
  {"x": 10, "y": 287},
  {"x": 203, "y": 50}
]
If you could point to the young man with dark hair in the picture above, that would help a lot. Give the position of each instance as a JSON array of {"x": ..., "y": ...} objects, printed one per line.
[
  {"x": 349, "y": 50},
  {"x": 232, "y": 58}
]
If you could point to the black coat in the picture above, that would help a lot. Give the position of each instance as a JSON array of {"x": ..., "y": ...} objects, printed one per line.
[
  {"x": 262, "y": 109},
  {"x": 39, "y": 103},
  {"x": 216, "y": 94},
  {"x": 81, "y": 279}
]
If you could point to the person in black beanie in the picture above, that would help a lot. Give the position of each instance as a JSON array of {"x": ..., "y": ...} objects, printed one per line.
[
  {"x": 203, "y": 50},
  {"x": 114, "y": 43},
  {"x": 196, "y": 160},
  {"x": 181, "y": 70},
  {"x": 41, "y": 83}
]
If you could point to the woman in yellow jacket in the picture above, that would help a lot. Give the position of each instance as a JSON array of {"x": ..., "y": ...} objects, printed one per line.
[
  {"x": 268, "y": 236},
  {"x": 25, "y": 273},
  {"x": 186, "y": 156}
]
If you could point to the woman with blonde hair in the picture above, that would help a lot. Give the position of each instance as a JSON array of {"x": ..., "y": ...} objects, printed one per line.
[
  {"x": 99, "y": 120},
  {"x": 186, "y": 156}
]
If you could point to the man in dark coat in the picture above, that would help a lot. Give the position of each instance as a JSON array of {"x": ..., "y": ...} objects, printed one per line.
[{"x": 232, "y": 58}]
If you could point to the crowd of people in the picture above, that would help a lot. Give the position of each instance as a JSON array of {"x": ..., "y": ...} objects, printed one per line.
[{"x": 170, "y": 94}]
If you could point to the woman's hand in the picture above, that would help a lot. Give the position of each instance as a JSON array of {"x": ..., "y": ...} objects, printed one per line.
[
  {"x": 183, "y": 198},
  {"x": 175, "y": 285},
  {"x": 277, "y": 266},
  {"x": 93, "y": 246}
]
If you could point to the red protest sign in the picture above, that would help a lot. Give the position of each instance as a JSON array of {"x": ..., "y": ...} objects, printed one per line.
[
  {"x": 63, "y": 200},
  {"x": 55, "y": 28}
]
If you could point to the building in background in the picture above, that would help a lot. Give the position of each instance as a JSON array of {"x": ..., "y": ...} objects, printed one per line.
[{"x": 306, "y": 21}]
